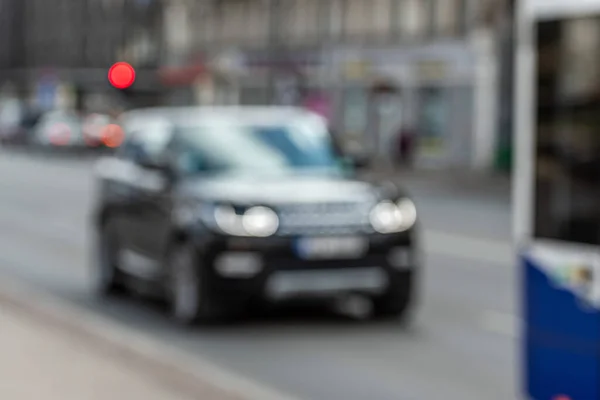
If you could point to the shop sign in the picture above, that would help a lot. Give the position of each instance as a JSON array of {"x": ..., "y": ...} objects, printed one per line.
[
  {"x": 47, "y": 91},
  {"x": 432, "y": 70},
  {"x": 356, "y": 70}
]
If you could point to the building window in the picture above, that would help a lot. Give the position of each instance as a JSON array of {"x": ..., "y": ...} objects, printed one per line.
[
  {"x": 463, "y": 17},
  {"x": 207, "y": 27},
  {"x": 331, "y": 19},
  {"x": 367, "y": 18},
  {"x": 380, "y": 21},
  {"x": 356, "y": 17},
  {"x": 233, "y": 23},
  {"x": 445, "y": 17},
  {"x": 257, "y": 22},
  {"x": 355, "y": 113},
  {"x": 412, "y": 18},
  {"x": 301, "y": 20},
  {"x": 177, "y": 29}
]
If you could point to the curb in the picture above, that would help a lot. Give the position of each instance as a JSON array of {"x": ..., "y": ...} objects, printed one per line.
[{"x": 176, "y": 370}]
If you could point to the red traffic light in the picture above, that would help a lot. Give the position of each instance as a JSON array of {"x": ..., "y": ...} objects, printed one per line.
[{"x": 121, "y": 75}]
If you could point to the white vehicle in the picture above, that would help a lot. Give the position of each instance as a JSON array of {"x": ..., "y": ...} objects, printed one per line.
[
  {"x": 60, "y": 129},
  {"x": 557, "y": 196},
  {"x": 94, "y": 126},
  {"x": 11, "y": 114}
]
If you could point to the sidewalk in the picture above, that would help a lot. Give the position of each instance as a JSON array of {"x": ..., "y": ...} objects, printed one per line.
[{"x": 42, "y": 362}]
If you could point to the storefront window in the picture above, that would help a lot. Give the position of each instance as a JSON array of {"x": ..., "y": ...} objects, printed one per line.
[
  {"x": 567, "y": 168},
  {"x": 254, "y": 96},
  {"x": 355, "y": 113},
  {"x": 288, "y": 89},
  {"x": 432, "y": 121}
]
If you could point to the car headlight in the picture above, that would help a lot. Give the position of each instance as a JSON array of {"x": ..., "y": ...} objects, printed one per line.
[
  {"x": 260, "y": 221},
  {"x": 255, "y": 221},
  {"x": 390, "y": 217}
]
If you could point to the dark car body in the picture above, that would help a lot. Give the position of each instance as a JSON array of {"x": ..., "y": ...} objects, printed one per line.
[{"x": 246, "y": 231}]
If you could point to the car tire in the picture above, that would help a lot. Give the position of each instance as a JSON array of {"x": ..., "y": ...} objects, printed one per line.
[
  {"x": 189, "y": 302},
  {"x": 394, "y": 306},
  {"x": 109, "y": 280}
]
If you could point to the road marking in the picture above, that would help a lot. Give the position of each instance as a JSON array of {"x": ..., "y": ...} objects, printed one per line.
[
  {"x": 501, "y": 323},
  {"x": 477, "y": 249}
]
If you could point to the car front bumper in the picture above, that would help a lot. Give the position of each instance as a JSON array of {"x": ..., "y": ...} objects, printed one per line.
[{"x": 239, "y": 270}]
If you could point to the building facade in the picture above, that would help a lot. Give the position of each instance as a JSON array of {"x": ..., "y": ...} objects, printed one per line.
[
  {"x": 378, "y": 67},
  {"x": 64, "y": 48},
  {"x": 374, "y": 68}
]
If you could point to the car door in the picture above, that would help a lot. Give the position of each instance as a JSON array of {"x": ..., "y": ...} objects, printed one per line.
[
  {"x": 151, "y": 221},
  {"x": 117, "y": 193},
  {"x": 126, "y": 176}
]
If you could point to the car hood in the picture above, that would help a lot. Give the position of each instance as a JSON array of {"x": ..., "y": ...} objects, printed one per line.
[{"x": 255, "y": 190}]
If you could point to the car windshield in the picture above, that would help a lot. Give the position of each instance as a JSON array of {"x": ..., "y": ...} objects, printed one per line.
[{"x": 298, "y": 147}]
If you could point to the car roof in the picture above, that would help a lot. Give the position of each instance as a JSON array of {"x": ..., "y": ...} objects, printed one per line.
[{"x": 194, "y": 115}]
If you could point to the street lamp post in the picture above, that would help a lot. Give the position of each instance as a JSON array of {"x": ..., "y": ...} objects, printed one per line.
[{"x": 507, "y": 58}]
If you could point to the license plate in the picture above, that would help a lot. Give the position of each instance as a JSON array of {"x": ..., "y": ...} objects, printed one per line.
[
  {"x": 291, "y": 283},
  {"x": 346, "y": 247}
]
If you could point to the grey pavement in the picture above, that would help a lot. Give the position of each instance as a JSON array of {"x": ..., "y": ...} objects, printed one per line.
[
  {"x": 461, "y": 346},
  {"x": 41, "y": 362}
]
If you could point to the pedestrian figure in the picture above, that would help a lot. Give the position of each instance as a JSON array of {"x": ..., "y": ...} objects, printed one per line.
[{"x": 406, "y": 138}]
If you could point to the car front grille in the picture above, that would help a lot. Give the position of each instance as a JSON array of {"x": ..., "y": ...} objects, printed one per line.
[{"x": 324, "y": 219}]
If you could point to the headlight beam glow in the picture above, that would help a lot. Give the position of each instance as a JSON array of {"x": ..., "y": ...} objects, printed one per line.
[
  {"x": 256, "y": 221},
  {"x": 388, "y": 217}
]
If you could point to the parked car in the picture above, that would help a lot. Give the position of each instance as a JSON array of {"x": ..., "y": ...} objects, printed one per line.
[
  {"x": 94, "y": 128},
  {"x": 60, "y": 129},
  {"x": 11, "y": 115},
  {"x": 222, "y": 208}
]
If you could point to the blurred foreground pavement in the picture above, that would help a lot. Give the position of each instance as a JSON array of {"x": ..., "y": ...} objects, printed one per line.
[{"x": 43, "y": 362}]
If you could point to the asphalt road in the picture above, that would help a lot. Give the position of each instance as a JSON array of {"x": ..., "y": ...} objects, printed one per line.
[{"x": 462, "y": 345}]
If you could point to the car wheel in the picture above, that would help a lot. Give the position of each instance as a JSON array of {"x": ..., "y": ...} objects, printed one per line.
[
  {"x": 108, "y": 278},
  {"x": 188, "y": 301}
]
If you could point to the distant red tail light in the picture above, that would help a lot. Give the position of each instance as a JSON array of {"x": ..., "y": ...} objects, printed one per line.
[
  {"x": 112, "y": 135},
  {"x": 60, "y": 134}
]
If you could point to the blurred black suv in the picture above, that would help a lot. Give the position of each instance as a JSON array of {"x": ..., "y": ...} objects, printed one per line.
[{"x": 218, "y": 209}]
